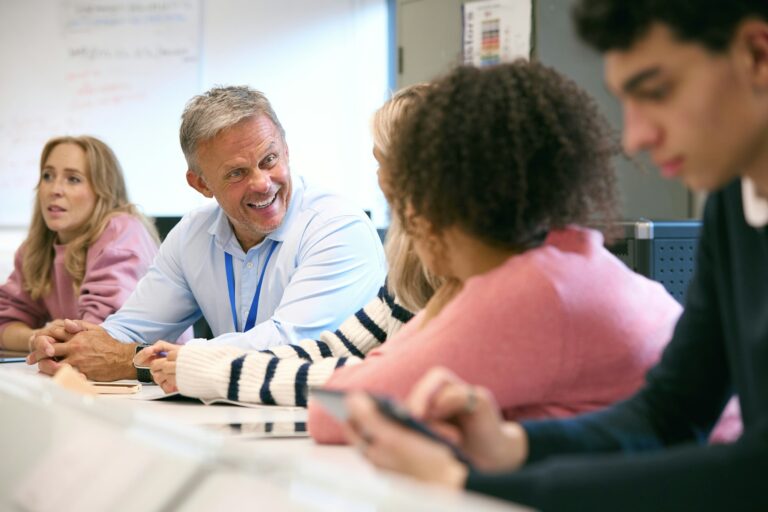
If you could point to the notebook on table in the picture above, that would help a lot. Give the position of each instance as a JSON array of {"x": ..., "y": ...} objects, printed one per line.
[{"x": 10, "y": 356}]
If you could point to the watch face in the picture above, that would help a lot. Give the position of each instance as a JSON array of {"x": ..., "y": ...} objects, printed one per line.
[
  {"x": 142, "y": 367},
  {"x": 143, "y": 375},
  {"x": 137, "y": 363}
]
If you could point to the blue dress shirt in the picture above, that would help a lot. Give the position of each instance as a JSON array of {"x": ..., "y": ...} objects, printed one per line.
[{"x": 328, "y": 262}]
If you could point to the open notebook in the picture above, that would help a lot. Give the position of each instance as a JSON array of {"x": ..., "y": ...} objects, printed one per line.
[
  {"x": 270, "y": 421},
  {"x": 156, "y": 393},
  {"x": 9, "y": 356}
]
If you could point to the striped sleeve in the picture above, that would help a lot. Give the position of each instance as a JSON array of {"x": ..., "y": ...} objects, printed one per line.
[
  {"x": 282, "y": 375},
  {"x": 249, "y": 376},
  {"x": 359, "y": 334}
]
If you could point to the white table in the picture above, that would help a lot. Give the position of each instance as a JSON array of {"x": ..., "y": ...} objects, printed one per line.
[{"x": 63, "y": 451}]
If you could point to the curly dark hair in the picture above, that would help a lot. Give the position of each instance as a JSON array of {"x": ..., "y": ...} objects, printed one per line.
[
  {"x": 505, "y": 153},
  {"x": 618, "y": 24}
]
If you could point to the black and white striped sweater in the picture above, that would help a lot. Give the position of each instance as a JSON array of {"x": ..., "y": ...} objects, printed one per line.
[{"x": 282, "y": 375}]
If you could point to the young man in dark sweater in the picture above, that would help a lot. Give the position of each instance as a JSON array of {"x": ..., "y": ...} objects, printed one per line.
[{"x": 692, "y": 77}]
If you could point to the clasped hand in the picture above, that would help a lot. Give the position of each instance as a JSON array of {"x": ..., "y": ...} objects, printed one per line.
[{"x": 85, "y": 346}]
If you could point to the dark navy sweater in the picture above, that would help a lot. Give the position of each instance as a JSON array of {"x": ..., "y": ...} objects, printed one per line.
[{"x": 649, "y": 452}]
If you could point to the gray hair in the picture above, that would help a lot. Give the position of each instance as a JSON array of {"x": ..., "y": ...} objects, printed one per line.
[{"x": 207, "y": 114}]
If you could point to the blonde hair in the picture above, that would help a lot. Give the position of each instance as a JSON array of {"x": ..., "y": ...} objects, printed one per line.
[
  {"x": 407, "y": 278},
  {"x": 389, "y": 115},
  {"x": 105, "y": 177}
]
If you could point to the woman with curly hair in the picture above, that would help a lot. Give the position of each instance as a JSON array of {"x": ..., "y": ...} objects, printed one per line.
[
  {"x": 87, "y": 245},
  {"x": 495, "y": 175}
]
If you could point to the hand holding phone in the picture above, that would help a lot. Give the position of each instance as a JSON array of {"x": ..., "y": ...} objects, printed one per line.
[{"x": 333, "y": 402}]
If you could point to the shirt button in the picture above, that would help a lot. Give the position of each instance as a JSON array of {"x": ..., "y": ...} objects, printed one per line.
[{"x": 250, "y": 264}]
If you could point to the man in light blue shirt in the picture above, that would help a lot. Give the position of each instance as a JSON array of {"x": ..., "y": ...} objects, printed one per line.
[{"x": 273, "y": 261}]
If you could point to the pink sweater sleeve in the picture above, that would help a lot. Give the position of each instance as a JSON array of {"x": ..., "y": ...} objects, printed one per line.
[
  {"x": 515, "y": 351},
  {"x": 15, "y": 304},
  {"x": 114, "y": 265}
]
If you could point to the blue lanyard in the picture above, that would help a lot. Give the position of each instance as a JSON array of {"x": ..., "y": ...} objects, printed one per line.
[{"x": 231, "y": 285}]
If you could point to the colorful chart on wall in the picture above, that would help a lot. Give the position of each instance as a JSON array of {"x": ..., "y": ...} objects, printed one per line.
[{"x": 496, "y": 31}]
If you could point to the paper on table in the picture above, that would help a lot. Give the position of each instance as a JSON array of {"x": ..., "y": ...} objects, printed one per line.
[{"x": 157, "y": 393}]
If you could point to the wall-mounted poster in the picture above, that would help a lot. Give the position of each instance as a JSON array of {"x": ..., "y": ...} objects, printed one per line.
[{"x": 496, "y": 31}]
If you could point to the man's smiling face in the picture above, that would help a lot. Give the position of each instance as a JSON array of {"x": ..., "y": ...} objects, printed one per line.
[{"x": 245, "y": 168}]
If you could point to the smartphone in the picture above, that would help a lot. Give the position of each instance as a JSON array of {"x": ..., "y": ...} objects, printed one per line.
[
  {"x": 333, "y": 401},
  {"x": 116, "y": 388}
]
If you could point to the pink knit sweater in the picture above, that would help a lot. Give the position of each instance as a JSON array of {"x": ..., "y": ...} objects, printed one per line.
[
  {"x": 558, "y": 330},
  {"x": 114, "y": 264}
]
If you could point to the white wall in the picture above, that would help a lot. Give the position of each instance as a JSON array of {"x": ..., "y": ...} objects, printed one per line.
[
  {"x": 10, "y": 239},
  {"x": 323, "y": 64},
  {"x": 122, "y": 70}
]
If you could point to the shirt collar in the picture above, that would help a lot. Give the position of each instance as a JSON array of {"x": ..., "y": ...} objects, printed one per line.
[
  {"x": 222, "y": 231},
  {"x": 755, "y": 207},
  {"x": 223, "y": 234}
]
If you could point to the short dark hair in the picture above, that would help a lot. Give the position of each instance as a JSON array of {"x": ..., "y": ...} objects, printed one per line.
[
  {"x": 618, "y": 24},
  {"x": 505, "y": 153}
]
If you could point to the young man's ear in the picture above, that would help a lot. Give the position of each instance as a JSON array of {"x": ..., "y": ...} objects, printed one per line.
[
  {"x": 198, "y": 183},
  {"x": 753, "y": 35}
]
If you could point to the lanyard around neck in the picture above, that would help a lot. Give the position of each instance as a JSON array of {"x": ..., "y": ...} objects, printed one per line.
[{"x": 251, "y": 321}]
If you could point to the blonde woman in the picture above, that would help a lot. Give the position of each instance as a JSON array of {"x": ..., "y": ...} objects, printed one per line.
[
  {"x": 281, "y": 375},
  {"x": 87, "y": 246}
]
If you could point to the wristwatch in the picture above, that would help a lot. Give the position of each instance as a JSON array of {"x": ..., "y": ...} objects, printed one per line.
[{"x": 142, "y": 372}]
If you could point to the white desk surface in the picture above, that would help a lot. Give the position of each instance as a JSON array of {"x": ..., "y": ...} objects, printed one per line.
[
  {"x": 287, "y": 473},
  {"x": 188, "y": 412}
]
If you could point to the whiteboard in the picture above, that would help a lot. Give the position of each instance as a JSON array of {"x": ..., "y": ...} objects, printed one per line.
[{"x": 122, "y": 70}]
